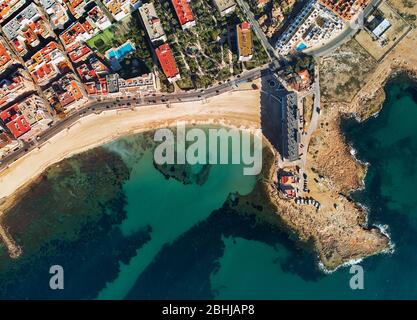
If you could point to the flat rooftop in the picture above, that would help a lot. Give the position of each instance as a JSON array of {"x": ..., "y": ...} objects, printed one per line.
[
  {"x": 151, "y": 21},
  {"x": 223, "y": 5},
  {"x": 244, "y": 39}
]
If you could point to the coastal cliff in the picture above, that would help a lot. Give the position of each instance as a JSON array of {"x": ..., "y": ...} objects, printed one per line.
[{"x": 339, "y": 232}]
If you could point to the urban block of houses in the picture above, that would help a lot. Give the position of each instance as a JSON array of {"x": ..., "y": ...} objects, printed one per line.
[
  {"x": 139, "y": 85},
  {"x": 96, "y": 88},
  {"x": 8, "y": 7},
  {"x": 25, "y": 29},
  {"x": 47, "y": 63},
  {"x": 121, "y": 8},
  {"x": 77, "y": 7},
  {"x": 225, "y": 7},
  {"x": 36, "y": 111},
  {"x": 93, "y": 75},
  {"x": 313, "y": 26},
  {"x": 6, "y": 59},
  {"x": 244, "y": 41},
  {"x": 31, "y": 114},
  {"x": 14, "y": 86},
  {"x": 79, "y": 52},
  {"x": 167, "y": 62},
  {"x": 184, "y": 13},
  {"x": 15, "y": 121},
  {"x": 97, "y": 18},
  {"x": 76, "y": 33},
  {"x": 7, "y": 143},
  {"x": 57, "y": 11},
  {"x": 65, "y": 93},
  {"x": 5, "y": 139},
  {"x": 346, "y": 9},
  {"x": 152, "y": 23}
]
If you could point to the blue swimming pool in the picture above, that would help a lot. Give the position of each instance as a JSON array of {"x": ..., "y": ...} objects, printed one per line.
[
  {"x": 121, "y": 52},
  {"x": 301, "y": 47}
]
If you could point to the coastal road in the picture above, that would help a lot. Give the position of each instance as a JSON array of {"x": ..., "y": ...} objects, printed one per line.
[{"x": 129, "y": 101}]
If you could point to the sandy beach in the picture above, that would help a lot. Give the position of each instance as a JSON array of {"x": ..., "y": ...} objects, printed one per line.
[{"x": 239, "y": 108}]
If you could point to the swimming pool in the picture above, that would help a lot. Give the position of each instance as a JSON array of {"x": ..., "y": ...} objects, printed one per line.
[
  {"x": 301, "y": 47},
  {"x": 121, "y": 51}
]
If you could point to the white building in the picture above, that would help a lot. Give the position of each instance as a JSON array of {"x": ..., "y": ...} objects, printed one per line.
[
  {"x": 314, "y": 25},
  {"x": 152, "y": 23},
  {"x": 225, "y": 7}
]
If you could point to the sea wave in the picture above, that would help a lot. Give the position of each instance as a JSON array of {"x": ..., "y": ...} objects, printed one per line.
[
  {"x": 348, "y": 263},
  {"x": 384, "y": 228},
  {"x": 389, "y": 250}
]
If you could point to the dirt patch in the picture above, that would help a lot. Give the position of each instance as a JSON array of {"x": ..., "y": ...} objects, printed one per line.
[{"x": 344, "y": 72}]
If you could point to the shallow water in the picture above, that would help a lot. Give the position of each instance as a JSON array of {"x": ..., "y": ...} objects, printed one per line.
[{"x": 122, "y": 230}]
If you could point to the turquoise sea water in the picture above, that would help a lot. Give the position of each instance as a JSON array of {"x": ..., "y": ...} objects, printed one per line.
[
  {"x": 389, "y": 143},
  {"x": 121, "y": 229}
]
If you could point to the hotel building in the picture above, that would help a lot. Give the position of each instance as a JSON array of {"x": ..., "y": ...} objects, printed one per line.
[
  {"x": 290, "y": 124},
  {"x": 244, "y": 41},
  {"x": 152, "y": 23},
  {"x": 25, "y": 29},
  {"x": 167, "y": 62},
  {"x": 184, "y": 13}
]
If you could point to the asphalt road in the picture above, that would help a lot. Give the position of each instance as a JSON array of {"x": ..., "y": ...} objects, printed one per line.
[{"x": 129, "y": 101}]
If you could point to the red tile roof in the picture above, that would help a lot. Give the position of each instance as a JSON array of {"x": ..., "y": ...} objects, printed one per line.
[
  {"x": 70, "y": 35},
  {"x": 166, "y": 60},
  {"x": 4, "y": 55},
  {"x": 183, "y": 11},
  {"x": 15, "y": 121},
  {"x": 78, "y": 51},
  {"x": 72, "y": 93}
]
